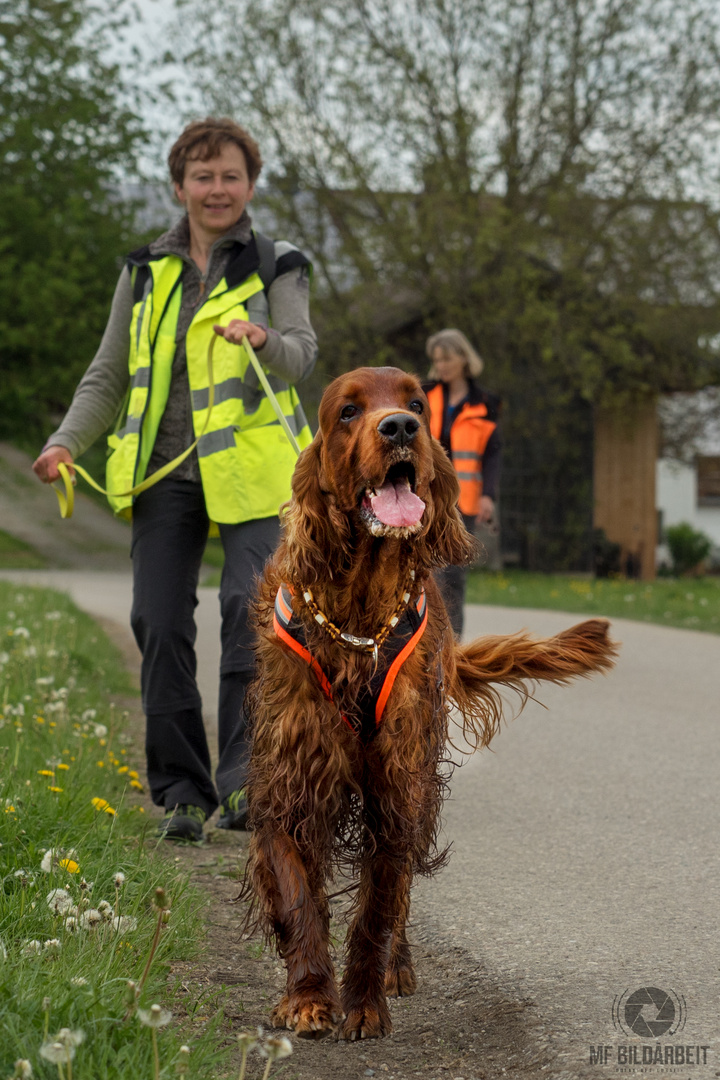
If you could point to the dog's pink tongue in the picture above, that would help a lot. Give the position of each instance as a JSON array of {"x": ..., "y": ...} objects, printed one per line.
[{"x": 395, "y": 504}]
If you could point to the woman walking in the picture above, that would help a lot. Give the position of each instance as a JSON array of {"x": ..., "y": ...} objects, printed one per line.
[
  {"x": 209, "y": 274},
  {"x": 463, "y": 417}
]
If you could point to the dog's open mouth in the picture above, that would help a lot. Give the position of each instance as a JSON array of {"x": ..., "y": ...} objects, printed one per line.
[{"x": 393, "y": 507}]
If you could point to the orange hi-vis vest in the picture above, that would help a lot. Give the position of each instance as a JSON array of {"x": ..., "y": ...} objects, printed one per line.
[
  {"x": 469, "y": 435},
  {"x": 373, "y": 697}
]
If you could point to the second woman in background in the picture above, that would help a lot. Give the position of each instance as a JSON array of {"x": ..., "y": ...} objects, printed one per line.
[{"x": 463, "y": 417}]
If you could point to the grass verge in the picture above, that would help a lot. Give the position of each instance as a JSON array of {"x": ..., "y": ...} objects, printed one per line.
[
  {"x": 17, "y": 555},
  {"x": 80, "y": 867},
  {"x": 688, "y": 603}
]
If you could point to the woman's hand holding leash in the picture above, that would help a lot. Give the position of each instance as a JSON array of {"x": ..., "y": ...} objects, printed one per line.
[
  {"x": 237, "y": 329},
  {"x": 46, "y": 466}
]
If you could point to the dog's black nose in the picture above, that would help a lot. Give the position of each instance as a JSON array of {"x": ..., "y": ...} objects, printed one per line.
[{"x": 400, "y": 428}]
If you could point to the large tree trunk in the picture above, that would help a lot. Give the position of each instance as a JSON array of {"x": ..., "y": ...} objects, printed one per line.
[{"x": 626, "y": 445}]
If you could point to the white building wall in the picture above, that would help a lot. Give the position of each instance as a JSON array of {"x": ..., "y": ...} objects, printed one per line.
[{"x": 676, "y": 496}]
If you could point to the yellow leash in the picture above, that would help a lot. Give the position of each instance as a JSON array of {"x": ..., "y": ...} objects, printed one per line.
[{"x": 66, "y": 494}]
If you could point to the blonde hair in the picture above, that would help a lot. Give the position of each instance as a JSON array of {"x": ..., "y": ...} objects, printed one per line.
[{"x": 454, "y": 341}]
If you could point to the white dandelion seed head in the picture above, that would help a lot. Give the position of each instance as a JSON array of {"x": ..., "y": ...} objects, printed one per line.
[
  {"x": 119, "y": 879},
  {"x": 155, "y": 1016},
  {"x": 45, "y": 680},
  {"x": 53, "y": 856},
  {"x": 4, "y": 657},
  {"x": 106, "y": 910},
  {"x": 100, "y": 731},
  {"x": 52, "y": 947},
  {"x": 86, "y": 886},
  {"x": 30, "y": 653},
  {"x": 124, "y": 924},
  {"x": 90, "y": 919},
  {"x": 87, "y": 715},
  {"x": 25, "y": 877},
  {"x": 247, "y": 1040},
  {"x": 23, "y": 1069},
  {"x": 20, "y": 631},
  {"x": 32, "y": 948},
  {"x": 71, "y": 924},
  {"x": 78, "y": 980},
  {"x": 53, "y": 616},
  {"x": 59, "y": 900},
  {"x": 70, "y": 1037},
  {"x": 56, "y": 1052},
  {"x": 276, "y": 1047},
  {"x": 3, "y": 950}
]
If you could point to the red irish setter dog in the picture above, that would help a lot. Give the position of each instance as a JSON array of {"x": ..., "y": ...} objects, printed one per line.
[{"x": 358, "y": 672}]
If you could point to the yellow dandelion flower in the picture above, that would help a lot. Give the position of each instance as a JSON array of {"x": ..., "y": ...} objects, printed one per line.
[
  {"x": 52, "y": 724},
  {"x": 45, "y": 772},
  {"x": 123, "y": 751},
  {"x": 65, "y": 752},
  {"x": 70, "y": 865},
  {"x": 103, "y": 742},
  {"x": 137, "y": 785},
  {"x": 103, "y": 804},
  {"x": 100, "y": 764},
  {"x": 140, "y": 809},
  {"x": 77, "y": 726},
  {"x": 135, "y": 775},
  {"x": 54, "y": 789},
  {"x": 62, "y": 765},
  {"x": 10, "y": 810},
  {"x": 40, "y": 719},
  {"x": 123, "y": 769}
]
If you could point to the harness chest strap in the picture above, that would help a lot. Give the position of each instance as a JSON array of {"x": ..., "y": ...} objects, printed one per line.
[{"x": 398, "y": 647}]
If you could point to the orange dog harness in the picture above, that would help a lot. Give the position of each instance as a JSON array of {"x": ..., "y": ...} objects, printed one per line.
[{"x": 374, "y": 696}]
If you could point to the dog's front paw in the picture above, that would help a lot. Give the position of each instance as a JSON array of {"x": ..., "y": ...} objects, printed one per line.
[
  {"x": 400, "y": 981},
  {"x": 310, "y": 1016},
  {"x": 366, "y": 1022}
]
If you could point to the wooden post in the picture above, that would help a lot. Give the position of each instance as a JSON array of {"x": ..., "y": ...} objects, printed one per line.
[{"x": 625, "y": 455}]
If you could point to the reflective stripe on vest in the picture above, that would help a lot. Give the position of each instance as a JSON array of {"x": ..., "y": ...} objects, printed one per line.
[
  {"x": 373, "y": 698},
  {"x": 246, "y": 461},
  {"x": 469, "y": 435}
]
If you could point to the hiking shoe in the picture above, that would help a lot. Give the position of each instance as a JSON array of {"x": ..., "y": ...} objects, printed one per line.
[
  {"x": 183, "y": 823},
  {"x": 234, "y": 811}
]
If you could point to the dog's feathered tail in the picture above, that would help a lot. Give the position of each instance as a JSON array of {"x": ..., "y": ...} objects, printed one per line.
[{"x": 516, "y": 662}]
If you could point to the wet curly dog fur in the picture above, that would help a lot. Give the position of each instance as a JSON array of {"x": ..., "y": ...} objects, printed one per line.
[{"x": 332, "y": 786}]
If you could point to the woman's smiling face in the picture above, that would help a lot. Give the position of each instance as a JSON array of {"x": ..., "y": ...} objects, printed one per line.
[{"x": 216, "y": 192}]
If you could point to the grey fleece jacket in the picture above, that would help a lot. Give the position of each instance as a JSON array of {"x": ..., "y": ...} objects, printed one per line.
[{"x": 289, "y": 352}]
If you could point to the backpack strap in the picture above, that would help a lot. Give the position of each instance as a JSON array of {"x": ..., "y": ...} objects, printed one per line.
[{"x": 266, "y": 251}]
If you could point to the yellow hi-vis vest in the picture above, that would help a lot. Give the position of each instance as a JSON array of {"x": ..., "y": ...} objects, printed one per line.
[{"x": 245, "y": 458}]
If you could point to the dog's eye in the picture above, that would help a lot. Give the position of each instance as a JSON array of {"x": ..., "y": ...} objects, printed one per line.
[
  {"x": 416, "y": 406},
  {"x": 348, "y": 412}
]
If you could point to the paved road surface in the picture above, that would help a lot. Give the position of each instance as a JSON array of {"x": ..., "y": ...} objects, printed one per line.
[{"x": 586, "y": 846}]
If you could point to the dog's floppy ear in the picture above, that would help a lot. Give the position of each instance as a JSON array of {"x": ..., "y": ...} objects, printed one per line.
[
  {"x": 447, "y": 539},
  {"x": 312, "y": 532}
]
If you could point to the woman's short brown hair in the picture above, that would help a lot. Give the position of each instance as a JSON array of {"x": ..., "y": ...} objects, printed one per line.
[
  {"x": 454, "y": 341},
  {"x": 203, "y": 139}
]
